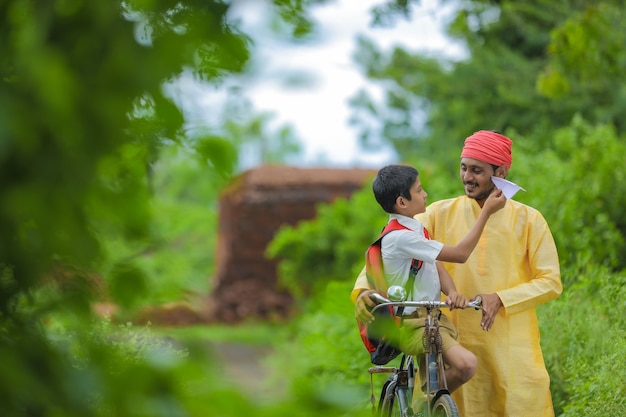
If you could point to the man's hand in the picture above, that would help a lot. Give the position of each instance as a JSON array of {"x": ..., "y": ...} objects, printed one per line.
[
  {"x": 363, "y": 306},
  {"x": 491, "y": 305},
  {"x": 456, "y": 300}
]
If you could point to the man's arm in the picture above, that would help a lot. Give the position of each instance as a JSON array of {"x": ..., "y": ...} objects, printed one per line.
[{"x": 545, "y": 283}]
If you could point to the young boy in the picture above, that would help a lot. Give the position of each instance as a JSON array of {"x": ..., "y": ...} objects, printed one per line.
[{"x": 398, "y": 190}]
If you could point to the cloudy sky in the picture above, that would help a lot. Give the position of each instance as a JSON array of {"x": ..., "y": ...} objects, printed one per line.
[{"x": 319, "y": 111}]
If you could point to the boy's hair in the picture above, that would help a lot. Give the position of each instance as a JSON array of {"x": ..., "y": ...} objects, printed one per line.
[{"x": 391, "y": 182}]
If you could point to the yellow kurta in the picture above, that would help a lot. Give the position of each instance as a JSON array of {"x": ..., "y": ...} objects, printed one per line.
[{"x": 516, "y": 258}]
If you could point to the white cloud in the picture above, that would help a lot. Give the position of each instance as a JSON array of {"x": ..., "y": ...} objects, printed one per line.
[{"x": 319, "y": 110}]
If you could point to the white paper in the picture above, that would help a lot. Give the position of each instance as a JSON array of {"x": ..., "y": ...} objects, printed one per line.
[{"x": 509, "y": 189}]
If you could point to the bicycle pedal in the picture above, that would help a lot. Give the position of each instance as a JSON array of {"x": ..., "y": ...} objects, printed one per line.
[{"x": 382, "y": 370}]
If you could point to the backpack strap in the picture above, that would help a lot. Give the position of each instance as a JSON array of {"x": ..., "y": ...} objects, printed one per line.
[{"x": 374, "y": 264}]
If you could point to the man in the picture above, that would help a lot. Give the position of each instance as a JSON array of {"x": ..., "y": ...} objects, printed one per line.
[{"x": 514, "y": 268}]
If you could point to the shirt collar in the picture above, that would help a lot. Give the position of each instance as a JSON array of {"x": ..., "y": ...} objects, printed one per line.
[{"x": 410, "y": 222}]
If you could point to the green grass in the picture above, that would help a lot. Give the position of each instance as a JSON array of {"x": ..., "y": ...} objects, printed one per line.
[{"x": 247, "y": 333}]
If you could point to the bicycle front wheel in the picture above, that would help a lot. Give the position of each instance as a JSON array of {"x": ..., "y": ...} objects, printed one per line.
[
  {"x": 388, "y": 405},
  {"x": 444, "y": 406}
]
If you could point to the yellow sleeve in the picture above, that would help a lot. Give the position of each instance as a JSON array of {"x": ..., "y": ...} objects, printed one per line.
[
  {"x": 360, "y": 285},
  {"x": 545, "y": 283}
]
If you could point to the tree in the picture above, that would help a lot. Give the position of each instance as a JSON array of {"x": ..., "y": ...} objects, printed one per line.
[
  {"x": 586, "y": 64},
  {"x": 85, "y": 113},
  {"x": 84, "y": 119},
  {"x": 531, "y": 67}
]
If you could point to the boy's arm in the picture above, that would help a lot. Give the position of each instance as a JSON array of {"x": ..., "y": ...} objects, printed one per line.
[
  {"x": 360, "y": 297},
  {"x": 463, "y": 250},
  {"x": 454, "y": 299}
]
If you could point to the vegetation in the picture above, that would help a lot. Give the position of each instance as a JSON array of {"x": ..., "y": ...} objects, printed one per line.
[
  {"x": 531, "y": 66},
  {"x": 545, "y": 75},
  {"x": 582, "y": 331},
  {"x": 104, "y": 192},
  {"x": 107, "y": 194}
]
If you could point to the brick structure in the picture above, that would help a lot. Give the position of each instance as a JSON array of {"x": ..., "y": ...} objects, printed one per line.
[{"x": 251, "y": 210}]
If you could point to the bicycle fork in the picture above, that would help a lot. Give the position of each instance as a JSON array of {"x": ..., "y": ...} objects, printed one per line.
[
  {"x": 436, "y": 383},
  {"x": 399, "y": 385}
]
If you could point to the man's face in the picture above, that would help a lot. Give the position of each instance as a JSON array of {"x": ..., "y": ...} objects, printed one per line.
[{"x": 476, "y": 177}]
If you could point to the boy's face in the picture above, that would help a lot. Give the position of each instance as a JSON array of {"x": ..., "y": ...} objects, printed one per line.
[{"x": 417, "y": 204}]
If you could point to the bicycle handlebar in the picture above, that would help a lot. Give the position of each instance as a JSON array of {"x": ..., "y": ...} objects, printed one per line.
[{"x": 476, "y": 304}]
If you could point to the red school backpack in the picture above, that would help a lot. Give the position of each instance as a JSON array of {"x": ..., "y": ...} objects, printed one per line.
[{"x": 380, "y": 336}]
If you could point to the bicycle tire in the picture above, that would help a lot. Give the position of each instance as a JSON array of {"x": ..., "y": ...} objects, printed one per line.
[
  {"x": 444, "y": 406},
  {"x": 388, "y": 402}
]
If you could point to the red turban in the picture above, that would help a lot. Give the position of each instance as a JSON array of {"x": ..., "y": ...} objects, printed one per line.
[{"x": 490, "y": 147}]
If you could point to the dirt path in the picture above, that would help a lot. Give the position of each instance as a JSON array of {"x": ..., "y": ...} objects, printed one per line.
[{"x": 244, "y": 366}]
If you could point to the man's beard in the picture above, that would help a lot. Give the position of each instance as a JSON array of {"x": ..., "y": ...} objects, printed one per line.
[{"x": 483, "y": 195}]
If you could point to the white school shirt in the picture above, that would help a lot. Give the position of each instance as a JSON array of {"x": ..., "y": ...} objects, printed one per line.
[{"x": 400, "y": 247}]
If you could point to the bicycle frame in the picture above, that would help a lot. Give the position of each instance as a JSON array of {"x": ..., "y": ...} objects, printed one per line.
[
  {"x": 436, "y": 383},
  {"x": 399, "y": 387}
]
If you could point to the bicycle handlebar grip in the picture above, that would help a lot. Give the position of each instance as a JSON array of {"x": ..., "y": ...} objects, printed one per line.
[{"x": 377, "y": 297}]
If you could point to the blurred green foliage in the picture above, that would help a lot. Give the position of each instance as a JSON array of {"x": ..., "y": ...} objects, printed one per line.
[
  {"x": 584, "y": 345},
  {"x": 104, "y": 189},
  {"x": 528, "y": 66},
  {"x": 576, "y": 179},
  {"x": 104, "y": 194},
  {"x": 84, "y": 114},
  {"x": 178, "y": 257}
]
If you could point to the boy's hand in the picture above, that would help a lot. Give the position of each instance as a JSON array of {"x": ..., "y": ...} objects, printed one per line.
[
  {"x": 456, "y": 300},
  {"x": 495, "y": 201},
  {"x": 363, "y": 306}
]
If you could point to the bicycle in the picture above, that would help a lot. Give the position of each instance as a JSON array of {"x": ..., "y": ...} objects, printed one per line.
[{"x": 396, "y": 398}]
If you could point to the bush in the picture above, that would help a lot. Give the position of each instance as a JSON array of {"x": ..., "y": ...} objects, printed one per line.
[
  {"x": 584, "y": 345},
  {"x": 578, "y": 181}
]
